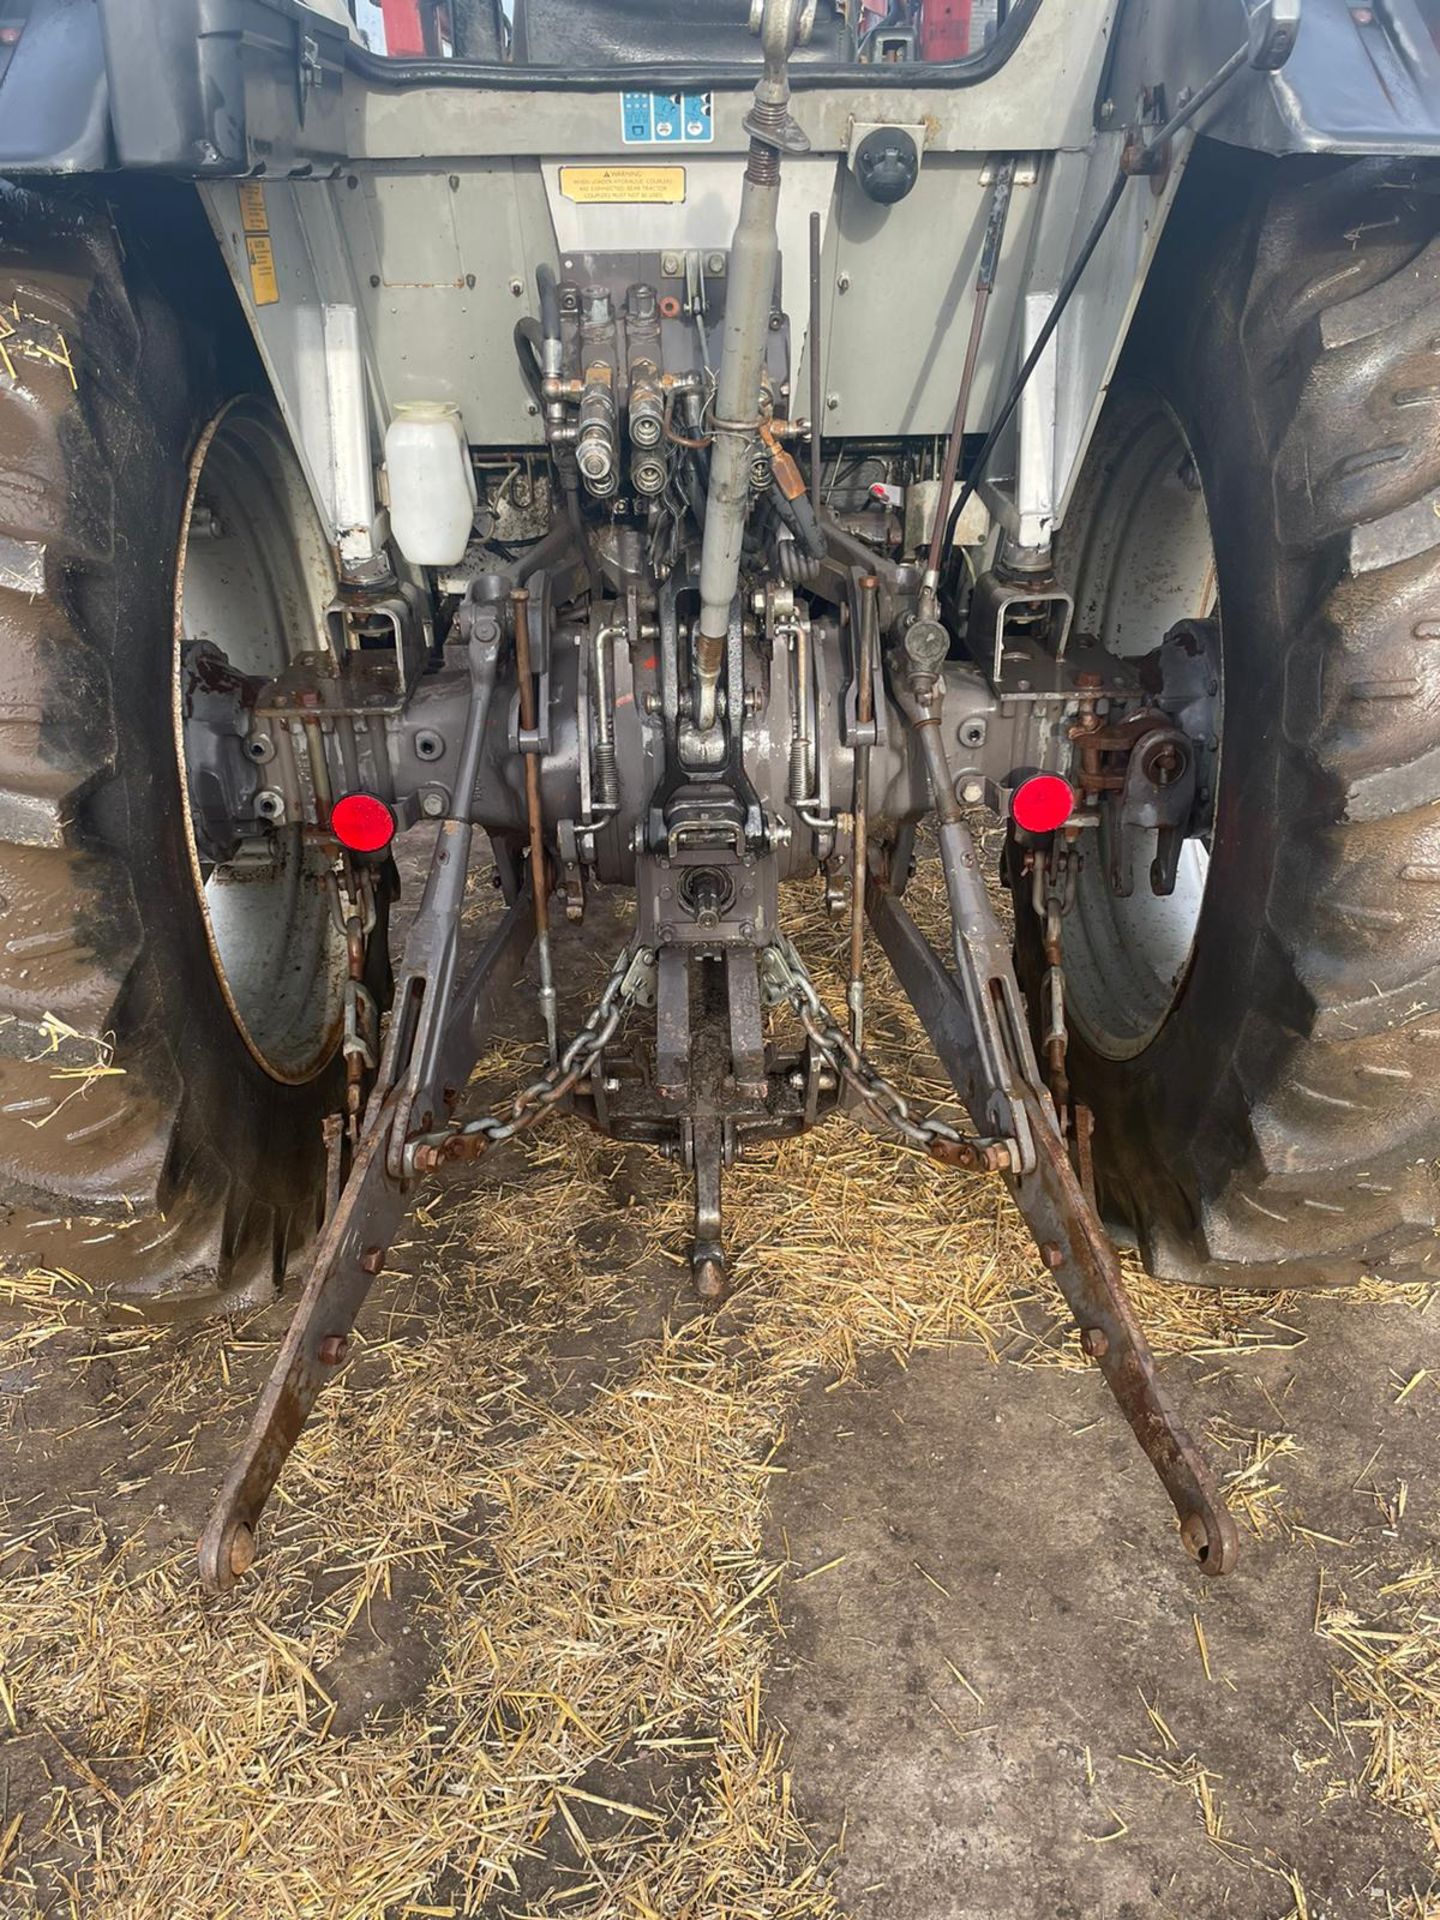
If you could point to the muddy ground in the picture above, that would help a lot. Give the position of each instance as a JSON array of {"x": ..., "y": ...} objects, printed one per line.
[{"x": 1003, "y": 1689}]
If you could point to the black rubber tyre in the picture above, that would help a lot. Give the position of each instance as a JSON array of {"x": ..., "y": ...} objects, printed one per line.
[
  {"x": 1279, "y": 1128},
  {"x": 187, "y": 1172}
]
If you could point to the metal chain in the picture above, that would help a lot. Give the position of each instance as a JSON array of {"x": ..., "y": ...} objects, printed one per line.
[
  {"x": 541, "y": 1098},
  {"x": 353, "y": 909},
  {"x": 1053, "y": 896},
  {"x": 786, "y": 978}
]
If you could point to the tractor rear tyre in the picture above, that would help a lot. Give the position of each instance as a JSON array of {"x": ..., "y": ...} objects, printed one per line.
[
  {"x": 1262, "y": 1051},
  {"x": 168, "y": 1029}
]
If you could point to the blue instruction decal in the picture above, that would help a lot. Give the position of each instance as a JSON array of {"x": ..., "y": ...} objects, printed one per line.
[{"x": 667, "y": 119}]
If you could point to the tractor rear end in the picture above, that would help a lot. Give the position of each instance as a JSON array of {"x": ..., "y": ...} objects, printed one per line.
[{"x": 702, "y": 462}]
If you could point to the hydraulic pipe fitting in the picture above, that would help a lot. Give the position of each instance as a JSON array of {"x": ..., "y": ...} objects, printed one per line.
[
  {"x": 596, "y": 450},
  {"x": 649, "y": 474},
  {"x": 647, "y": 405}
]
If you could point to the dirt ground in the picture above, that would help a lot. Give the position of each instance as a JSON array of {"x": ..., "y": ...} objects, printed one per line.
[
  {"x": 853, "y": 1599},
  {"x": 996, "y": 1521}
]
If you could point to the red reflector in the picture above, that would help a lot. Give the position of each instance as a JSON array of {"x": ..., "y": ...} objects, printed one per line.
[
  {"x": 1043, "y": 803},
  {"x": 362, "y": 823}
]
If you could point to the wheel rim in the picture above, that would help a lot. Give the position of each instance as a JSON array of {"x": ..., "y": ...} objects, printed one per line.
[
  {"x": 1146, "y": 561},
  {"x": 253, "y": 580}
]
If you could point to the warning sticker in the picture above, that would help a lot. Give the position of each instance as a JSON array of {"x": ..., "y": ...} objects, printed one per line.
[
  {"x": 259, "y": 249},
  {"x": 253, "y": 217},
  {"x": 264, "y": 286},
  {"x": 624, "y": 186}
]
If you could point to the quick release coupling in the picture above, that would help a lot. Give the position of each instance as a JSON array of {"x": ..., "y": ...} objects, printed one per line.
[{"x": 596, "y": 452}]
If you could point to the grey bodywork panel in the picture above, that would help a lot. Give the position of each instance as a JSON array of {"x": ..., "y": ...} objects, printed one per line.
[
  {"x": 422, "y": 197},
  {"x": 215, "y": 86}
]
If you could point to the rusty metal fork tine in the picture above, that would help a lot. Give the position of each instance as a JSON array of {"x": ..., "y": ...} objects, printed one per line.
[
  {"x": 351, "y": 1252},
  {"x": 347, "y": 1260},
  {"x": 1073, "y": 1244},
  {"x": 1079, "y": 1253}
]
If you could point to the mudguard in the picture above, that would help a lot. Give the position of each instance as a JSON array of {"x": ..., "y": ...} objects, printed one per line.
[
  {"x": 1360, "y": 79},
  {"x": 191, "y": 87},
  {"x": 54, "y": 98}
]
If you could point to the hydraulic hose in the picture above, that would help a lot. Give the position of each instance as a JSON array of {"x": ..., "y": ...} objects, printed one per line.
[{"x": 549, "y": 290}]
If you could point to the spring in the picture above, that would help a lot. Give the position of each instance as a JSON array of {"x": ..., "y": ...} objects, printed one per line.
[
  {"x": 797, "y": 567},
  {"x": 607, "y": 774},
  {"x": 801, "y": 776},
  {"x": 767, "y": 121}
]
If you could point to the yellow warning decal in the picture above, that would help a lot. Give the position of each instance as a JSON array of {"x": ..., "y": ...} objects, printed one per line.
[
  {"x": 624, "y": 186},
  {"x": 259, "y": 248},
  {"x": 253, "y": 217},
  {"x": 264, "y": 286}
]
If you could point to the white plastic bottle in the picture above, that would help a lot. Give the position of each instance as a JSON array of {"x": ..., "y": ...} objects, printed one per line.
[{"x": 432, "y": 484}]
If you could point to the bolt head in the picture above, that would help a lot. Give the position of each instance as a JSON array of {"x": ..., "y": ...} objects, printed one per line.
[
  {"x": 432, "y": 805},
  {"x": 333, "y": 1349},
  {"x": 1094, "y": 1343}
]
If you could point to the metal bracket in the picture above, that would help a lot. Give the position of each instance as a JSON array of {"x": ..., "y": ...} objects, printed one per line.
[
  {"x": 1274, "y": 29},
  {"x": 1158, "y": 796},
  {"x": 1012, "y": 617}
]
